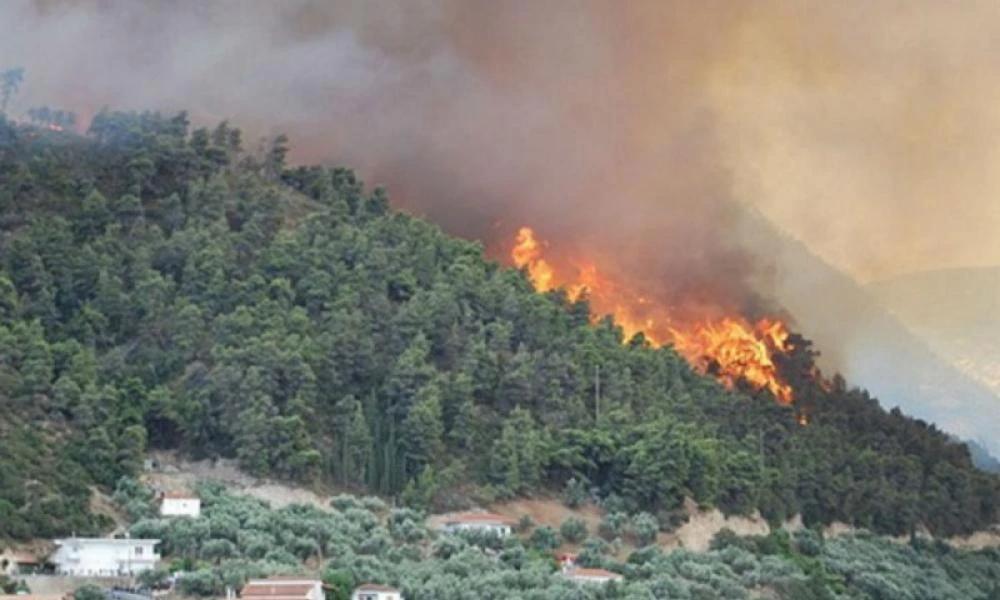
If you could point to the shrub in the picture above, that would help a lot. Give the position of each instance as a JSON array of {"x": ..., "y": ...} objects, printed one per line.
[
  {"x": 154, "y": 578},
  {"x": 340, "y": 583},
  {"x": 612, "y": 525},
  {"x": 198, "y": 583},
  {"x": 447, "y": 546},
  {"x": 592, "y": 553},
  {"x": 401, "y": 515},
  {"x": 218, "y": 549},
  {"x": 88, "y": 591},
  {"x": 575, "y": 493},
  {"x": 573, "y": 530},
  {"x": 644, "y": 528},
  {"x": 613, "y": 503},
  {"x": 514, "y": 556},
  {"x": 525, "y": 523},
  {"x": 374, "y": 504},
  {"x": 725, "y": 538},
  {"x": 545, "y": 538},
  {"x": 345, "y": 502},
  {"x": 135, "y": 498},
  {"x": 148, "y": 528},
  {"x": 808, "y": 542}
]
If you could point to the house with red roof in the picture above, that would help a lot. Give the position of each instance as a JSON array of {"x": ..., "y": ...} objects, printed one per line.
[
  {"x": 283, "y": 587},
  {"x": 581, "y": 575}
]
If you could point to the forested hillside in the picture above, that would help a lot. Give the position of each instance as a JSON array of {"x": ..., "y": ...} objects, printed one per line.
[{"x": 165, "y": 288}]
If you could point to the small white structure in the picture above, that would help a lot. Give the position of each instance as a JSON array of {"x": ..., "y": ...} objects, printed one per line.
[
  {"x": 599, "y": 576},
  {"x": 293, "y": 587},
  {"x": 180, "y": 505},
  {"x": 104, "y": 556},
  {"x": 574, "y": 573},
  {"x": 479, "y": 521},
  {"x": 374, "y": 591}
]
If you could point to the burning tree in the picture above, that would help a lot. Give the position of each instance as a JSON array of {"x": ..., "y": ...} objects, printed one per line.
[{"x": 730, "y": 347}]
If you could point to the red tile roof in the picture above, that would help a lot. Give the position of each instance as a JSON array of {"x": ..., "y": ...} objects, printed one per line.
[
  {"x": 276, "y": 589},
  {"x": 25, "y": 559}
]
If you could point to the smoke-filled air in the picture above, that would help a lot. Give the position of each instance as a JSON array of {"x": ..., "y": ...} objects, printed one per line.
[{"x": 672, "y": 151}]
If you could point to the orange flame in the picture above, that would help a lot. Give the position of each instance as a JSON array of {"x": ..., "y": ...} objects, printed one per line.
[{"x": 730, "y": 347}]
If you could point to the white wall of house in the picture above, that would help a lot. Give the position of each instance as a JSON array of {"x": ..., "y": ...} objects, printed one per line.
[
  {"x": 501, "y": 529},
  {"x": 104, "y": 556},
  {"x": 370, "y": 594},
  {"x": 180, "y": 507},
  {"x": 592, "y": 578}
]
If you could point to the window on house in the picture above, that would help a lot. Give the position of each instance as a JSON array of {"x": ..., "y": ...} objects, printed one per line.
[{"x": 138, "y": 551}]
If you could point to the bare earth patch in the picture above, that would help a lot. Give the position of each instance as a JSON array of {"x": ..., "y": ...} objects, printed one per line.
[
  {"x": 175, "y": 474},
  {"x": 549, "y": 511}
]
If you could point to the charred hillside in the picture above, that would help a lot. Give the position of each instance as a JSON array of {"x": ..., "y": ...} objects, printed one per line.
[{"x": 165, "y": 288}]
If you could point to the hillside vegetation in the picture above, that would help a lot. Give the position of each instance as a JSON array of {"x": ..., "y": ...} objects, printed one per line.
[
  {"x": 164, "y": 288},
  {"x": 361, "y": 540}
]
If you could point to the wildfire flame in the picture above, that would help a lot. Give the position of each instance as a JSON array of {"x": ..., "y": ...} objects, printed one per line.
[
  {"x": 49, "y": 126},
  {"x": 730, "y": 348}
]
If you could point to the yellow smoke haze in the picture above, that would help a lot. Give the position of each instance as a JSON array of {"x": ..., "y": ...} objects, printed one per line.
[{"x": 870, "y": 130}]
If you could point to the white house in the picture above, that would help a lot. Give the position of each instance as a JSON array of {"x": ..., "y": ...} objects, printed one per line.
[
  {"x": 104, "y": 556},
  {"x": 479, "y": 521},
  {"x": 295, "y": 587},
  {"x": 374, "y": 591},
  {"x": 180, "y": 505}
]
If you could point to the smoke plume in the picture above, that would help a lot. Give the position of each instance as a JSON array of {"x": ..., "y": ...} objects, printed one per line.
[{"x": 638, "y": 133}]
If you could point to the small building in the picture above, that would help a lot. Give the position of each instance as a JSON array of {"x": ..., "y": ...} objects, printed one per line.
[
  {"x": 180, "y": 505},
  {"x": 480, "y": 521},
  {"x": 19, "y": 564},
  {"x": 574, "y": 573},
  {"x": 283, "y": 587},
  {"x": 598, "y": 576},
  {"x": 104, "y": 556},
  {"x": 375, "y": 591}
]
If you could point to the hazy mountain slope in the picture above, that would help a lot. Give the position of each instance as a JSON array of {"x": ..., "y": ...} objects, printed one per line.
[
  {"x": 955, "y": 310},
  {"x": 873, "y": 348}
]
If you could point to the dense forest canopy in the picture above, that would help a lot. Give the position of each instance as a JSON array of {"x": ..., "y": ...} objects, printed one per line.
[{"x": 162, "y": 287}]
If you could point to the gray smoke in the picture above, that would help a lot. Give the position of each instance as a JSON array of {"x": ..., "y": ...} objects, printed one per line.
[{"x": 638, "y": 132}]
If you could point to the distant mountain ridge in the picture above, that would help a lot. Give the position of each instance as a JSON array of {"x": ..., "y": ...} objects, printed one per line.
[
  {"x": 956, "y": 311},
  {"x": 877, "y": 350}
]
